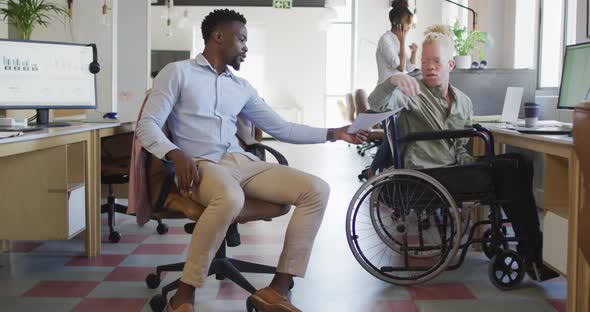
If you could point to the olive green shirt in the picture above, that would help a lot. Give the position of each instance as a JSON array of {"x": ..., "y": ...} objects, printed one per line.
[{"x": 427, "y": 112}]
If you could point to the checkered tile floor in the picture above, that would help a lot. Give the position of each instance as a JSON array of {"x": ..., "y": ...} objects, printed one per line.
[{"x": 55, "y": 276}]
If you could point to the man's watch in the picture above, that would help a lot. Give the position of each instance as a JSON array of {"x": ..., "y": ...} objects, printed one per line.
[{"x": 331, "y": 136}]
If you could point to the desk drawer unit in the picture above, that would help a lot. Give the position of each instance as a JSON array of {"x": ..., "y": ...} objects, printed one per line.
[{"x": 42, "y": 194}]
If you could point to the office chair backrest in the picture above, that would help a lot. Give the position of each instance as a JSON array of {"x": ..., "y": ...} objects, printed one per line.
[
  {"x": 350, "y": 107},
  {"x": 360, "y": 100},
  {"x": 582, "y": 147}
]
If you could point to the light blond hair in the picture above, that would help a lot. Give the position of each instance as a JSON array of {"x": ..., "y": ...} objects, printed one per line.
[{"x": 443, "y": 36}]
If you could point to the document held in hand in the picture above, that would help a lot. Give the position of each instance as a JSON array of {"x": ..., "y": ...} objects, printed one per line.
[{"x": 365, "y": 121}]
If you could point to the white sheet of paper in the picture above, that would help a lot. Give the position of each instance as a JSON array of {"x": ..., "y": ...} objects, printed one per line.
[{"x": 365, "y": 121}]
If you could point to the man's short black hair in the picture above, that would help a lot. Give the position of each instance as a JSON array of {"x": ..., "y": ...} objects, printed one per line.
[{"x": 218, "y": 17}]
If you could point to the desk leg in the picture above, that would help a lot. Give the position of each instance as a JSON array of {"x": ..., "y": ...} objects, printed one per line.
[
  {"x": 93, "y": 195},
  {"x": 573, "y": 300}
]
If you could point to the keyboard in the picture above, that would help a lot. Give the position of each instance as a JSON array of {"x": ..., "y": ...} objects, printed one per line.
[{"x": 20, "y": 128}]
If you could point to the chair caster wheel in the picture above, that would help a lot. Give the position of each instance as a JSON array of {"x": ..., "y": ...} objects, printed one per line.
[
  {"x": 152, "y": 281},
  {"x": 158, "y": 303},
  {"x": 162, "y": 229},
  {"x": 506, "y": 270},
  {"x": 114, "y": 237},
  {"x": 292, "y": 284}
]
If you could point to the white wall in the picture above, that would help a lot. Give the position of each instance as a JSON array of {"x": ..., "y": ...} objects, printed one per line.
[
  {"x": 294, "y": 63},
  {"x": 133, "y": 56},
  {"x": 582, "y": 20},
  {"x": 497, "y": 18},
  {"x": 3, "y": 28},
  {"x": 373, "y": 21}
]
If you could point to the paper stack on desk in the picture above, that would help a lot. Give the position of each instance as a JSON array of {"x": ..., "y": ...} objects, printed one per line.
[{"x": 10, "y": 134}]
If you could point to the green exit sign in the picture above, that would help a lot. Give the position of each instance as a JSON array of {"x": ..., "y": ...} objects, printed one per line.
[{"x": 282, "y": 4}]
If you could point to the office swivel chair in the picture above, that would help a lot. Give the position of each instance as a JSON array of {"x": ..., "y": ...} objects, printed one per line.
[
  {"x": 582, "y": 148},
  {"x": 376, "y": 133},
  {"x": 115, "y": 160},
  {"x": 167, "y": 203}
]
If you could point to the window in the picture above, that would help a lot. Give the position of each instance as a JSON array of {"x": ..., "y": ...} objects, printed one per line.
[
  {"x": 524, "y": 36},
  {"x": 338, "y": 62},
  {"x": 557, "y": 30}
]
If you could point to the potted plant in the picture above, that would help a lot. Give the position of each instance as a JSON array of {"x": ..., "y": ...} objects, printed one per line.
[
  {"x": 24, "y": 15},
  {"x": 465, "y": 42}
]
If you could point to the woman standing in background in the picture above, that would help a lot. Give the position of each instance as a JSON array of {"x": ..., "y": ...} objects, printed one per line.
[{"x": 391, "y": 52}]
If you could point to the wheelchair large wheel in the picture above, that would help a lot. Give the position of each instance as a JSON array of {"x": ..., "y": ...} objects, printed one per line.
[{"x": 403, "y": 227}]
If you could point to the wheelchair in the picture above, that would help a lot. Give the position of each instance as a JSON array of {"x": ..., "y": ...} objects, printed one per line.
[{"x": 406, "y": 227}]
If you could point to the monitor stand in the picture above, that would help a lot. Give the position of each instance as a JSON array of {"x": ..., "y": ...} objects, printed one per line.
[{"x": 43, "y": 120}]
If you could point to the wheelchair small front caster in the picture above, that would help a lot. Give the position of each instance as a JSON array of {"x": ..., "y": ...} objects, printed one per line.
[
  {"x": 158, "y": 303},
  {"x": 506, "y": 270},
  {"x": 114, "y": 237}
]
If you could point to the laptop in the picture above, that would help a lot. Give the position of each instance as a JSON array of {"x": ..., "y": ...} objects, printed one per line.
[{"x": 510, "y": 110}]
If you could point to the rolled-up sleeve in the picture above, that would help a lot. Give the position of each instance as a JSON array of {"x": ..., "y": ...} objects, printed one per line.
[
  {"x": 165, "y": 93},
  {"x": 262, "y": 115},
  {"x": 381, "y": 95}
]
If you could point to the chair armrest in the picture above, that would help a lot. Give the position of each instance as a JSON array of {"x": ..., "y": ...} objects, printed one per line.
[
  {"x": 276, "y": 154},
  {"x": 169, "y": 174}
]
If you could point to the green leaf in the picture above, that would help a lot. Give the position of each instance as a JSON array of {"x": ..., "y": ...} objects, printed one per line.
[
  {"x": 466, "y": 41},
  {"x": 24, "y": 15}
]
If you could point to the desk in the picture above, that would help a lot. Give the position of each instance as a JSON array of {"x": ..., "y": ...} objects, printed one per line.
[
  {"x": 562, "y": 201},
  {"x": 47, "y": 163}
]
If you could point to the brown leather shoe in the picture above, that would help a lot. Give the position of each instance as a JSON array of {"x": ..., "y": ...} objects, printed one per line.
[
  {"x": 185, "y": 307},
  {"x": 269, "y": 300}
]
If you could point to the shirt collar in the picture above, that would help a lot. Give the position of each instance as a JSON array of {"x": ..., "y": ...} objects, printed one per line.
[
  {"x": 202, "y": 61},
  {"x": 436, "y": 91}
]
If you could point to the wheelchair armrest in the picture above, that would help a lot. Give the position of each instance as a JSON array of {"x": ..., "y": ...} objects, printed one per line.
[
  {"x": 276, "y": 154},
  {"x": 475, "y": 131},
  {"x": 440, "y": 135}
]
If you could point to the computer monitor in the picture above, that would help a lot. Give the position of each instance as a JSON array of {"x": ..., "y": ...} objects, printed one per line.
[
  {"x": 46, "y": 75},
  {"x": 575, "y": 85}
]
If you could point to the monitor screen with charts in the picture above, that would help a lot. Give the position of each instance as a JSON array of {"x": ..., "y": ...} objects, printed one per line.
[
  {"x": 46, "y": 75},
  {"x": 575, "y": 84}
]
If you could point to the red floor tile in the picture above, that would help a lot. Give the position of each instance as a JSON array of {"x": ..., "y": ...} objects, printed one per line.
[
  {"x": 231, "y": 291},
  {"x": 130, "y": 274},
  {"x": 127, "y": 238},
  {"x": 159, "y": 249},
  {"x": 110, "y": 304},
  {"x": 102, "y": 260},
  {"x": 450, "y": 291},
  {"x": 23, "y": 246},
  {"x": 261, "y": 239},
  {"x": 61, "y": 289},
  {"x": 559, "y": 304},
  {"x": 391, "y": 305}
]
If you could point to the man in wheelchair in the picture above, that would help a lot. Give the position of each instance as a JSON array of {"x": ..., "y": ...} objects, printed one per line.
[{"x": 432, "y": 104}]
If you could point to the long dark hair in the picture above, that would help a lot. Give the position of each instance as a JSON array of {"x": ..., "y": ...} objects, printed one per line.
[{"x": 399, "y": 11}]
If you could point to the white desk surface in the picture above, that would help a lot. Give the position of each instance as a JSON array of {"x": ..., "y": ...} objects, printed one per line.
[
  {"x": 502, "y": 128},
  {"x": 76, "y": 127}
]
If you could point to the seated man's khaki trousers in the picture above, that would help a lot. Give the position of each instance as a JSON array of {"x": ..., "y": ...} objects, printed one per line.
[{"x": 223, "y": 188}]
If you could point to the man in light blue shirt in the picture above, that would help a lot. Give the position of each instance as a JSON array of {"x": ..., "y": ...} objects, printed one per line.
[{"x": 201, "y": 100}]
